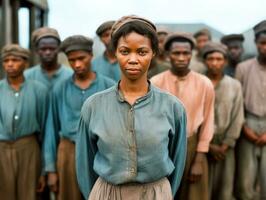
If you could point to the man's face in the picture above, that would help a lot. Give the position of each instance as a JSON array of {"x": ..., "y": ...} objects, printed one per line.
[
  {"x": 201, "y": 41},
  {"x": 180, "y": 55},
  {"x": 106, "y": 37},
  {"x": 235, "y": 50},
  {"x": 161, "y": 39},
  {"x": 14, "y": 66},
  {"x": 261, "y": 45},
  {"x": 80, "y": 61},
  {"x": 47, "y": 49},
  {"x": 215, "y": 62}
]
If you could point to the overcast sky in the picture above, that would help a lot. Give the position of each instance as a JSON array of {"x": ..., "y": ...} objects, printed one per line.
[{"x": 84, "y": 16}]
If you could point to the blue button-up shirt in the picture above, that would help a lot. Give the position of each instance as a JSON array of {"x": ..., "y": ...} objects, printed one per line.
[
  {"x": 64, "y": 113},
  {"x": 123, "y": 143},
  {"x": 22, "y": 112},
  {"x": 103, "y": 66},
  {"x": 37, "y": 73}
]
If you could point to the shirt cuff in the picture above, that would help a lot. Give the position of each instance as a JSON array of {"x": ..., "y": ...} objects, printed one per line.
[
  {"x": 50, "y": 168},
  {"x": 203, "y": 147}
]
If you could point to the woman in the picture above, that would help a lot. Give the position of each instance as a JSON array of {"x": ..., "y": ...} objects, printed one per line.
[{"x": 132, "y": 137}]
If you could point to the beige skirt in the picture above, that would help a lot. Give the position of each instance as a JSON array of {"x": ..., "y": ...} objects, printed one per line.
[{"x": 158, "y": 190}]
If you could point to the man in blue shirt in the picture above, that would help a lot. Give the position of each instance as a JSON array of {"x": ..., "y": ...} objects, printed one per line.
[
  {"x": 23, "y": 105},
  {"x": 49, "y": 71},
  {"x": 106, "y": 64},
  {"x": 65, "y": 106}
]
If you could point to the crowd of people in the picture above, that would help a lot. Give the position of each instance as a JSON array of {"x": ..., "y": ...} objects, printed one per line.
[{"x": 159, "y": 115}]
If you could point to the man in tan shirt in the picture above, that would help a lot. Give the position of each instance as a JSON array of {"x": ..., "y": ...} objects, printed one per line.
[
  {"x": 229, "y": 118},
  {"x": 251, "y": 159},
  {"x": 197, "y": 94}
]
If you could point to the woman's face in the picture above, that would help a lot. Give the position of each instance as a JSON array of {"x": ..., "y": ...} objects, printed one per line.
[{"x": 134, "y": 54}]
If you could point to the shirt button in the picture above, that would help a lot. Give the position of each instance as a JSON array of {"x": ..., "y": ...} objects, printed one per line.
[
  {"x": 83, "y": 92},
  {"x": 16, "y": 94},
  {"x": 16, "y": 117}
]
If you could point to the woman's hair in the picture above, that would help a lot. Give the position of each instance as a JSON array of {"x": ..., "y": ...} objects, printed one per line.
[{"x": 138, "y": 27}]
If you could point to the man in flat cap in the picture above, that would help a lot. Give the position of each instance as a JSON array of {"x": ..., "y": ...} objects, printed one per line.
[
  {"x": 47, "y": 41},
  {"x": 197, "y": 94},
  {"x": 23, "y": 105},
  {"x": 106, "y": 63},
  {"x": 202, "y": 36},
  {"x": 160, "y": 63},
  {"x": 234, "y": 43},
  {"x": 229, "y": 118},
  {"x": 251, "y": 151},
  {"x": 67, "y": 98}
]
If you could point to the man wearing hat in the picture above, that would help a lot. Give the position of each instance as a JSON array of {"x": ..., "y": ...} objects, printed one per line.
[
  {"x": 23, "y": 105},
  {"x": 47, "y": 41},
  {"x": 251, "y": 162},
  {"x": 234, "y": 43},
  {"x": 160, "y": 63},
  {"x": 197, "y": 94},
  {"x": 229, "y": 118},
  {"x": 202, "y": 36},
  {"x": 66, "y": 101},
  {"x": 106, "y": 64}
]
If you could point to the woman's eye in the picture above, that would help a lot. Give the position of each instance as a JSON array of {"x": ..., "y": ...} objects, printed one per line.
[
  {"x": 142, "y": 53},
  {"x": 124, "y": 52}
]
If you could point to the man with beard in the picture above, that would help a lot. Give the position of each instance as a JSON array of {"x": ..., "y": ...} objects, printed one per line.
[
  {"x": 229, "y": 118},
  {"x": 49, "y": 71},
  {"x": 66, "y": 101},
  {"x": 197, "y": 94},
  {"x": 234, "y": 43},
  {"x": 251, "y": 151},
  {"x": 106, "y": 64}
]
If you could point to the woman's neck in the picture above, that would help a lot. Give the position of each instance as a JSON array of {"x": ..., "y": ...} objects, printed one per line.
[{"x": 15, "y": 82}]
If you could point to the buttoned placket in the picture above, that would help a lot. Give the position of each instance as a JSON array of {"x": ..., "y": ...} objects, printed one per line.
[{"x": 16, "y": 116}]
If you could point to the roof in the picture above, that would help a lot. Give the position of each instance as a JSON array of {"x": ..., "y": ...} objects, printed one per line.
[{"x": 40, "y": 3}]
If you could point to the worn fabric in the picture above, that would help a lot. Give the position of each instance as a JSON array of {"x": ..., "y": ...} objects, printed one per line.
[
  {"x": 232, "y": 37},
  {"x": 157, "y": 190},
  {"x": 179, "y": 36},
  {"x": 102, "y": 66},
  {"x": 104, "y": 27},
  {"x": 260, "y": 27},
  {"x": 20, "y": 168},
  {"x": 196, "y": 63},
  {"x": 22, "y": 112},
  {"x": 64, "y": 112},
  {"x": 251, "y": 162},
  {"x": 210, "y": 47},
  {"x": 132, "y": 18},
  {"x": 118, "y": 142},
  {"x": 252, "y": 78},
  {"x": 44, "y": 32},
  {"x": 15, "y": 50},
  {"x": 75, "y": 43},
  {"x": 198, "y": 190},
  {"x": 38, "y": 74},
  {"x": 196, "y": 92},
  {"x": 68, "y": 184},
  {"x": 158, "y": 67}
]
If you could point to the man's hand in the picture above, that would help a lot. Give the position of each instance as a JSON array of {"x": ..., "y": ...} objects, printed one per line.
[
  {"x": 41, "y": 184},
  {"x": 250, "y": 134},
  {"x": 52, "y": 181},
  {"x": 196, "y": 169},
  {"x": 217, "y": 152}
]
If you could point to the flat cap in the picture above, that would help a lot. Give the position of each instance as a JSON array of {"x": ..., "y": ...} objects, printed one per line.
[
  {"x": 260, "y": 27},
  {"x": 203, "y": 31},
  {"x": 162, "y": 30},
  {"x": 75, "y": 43},
  {"x": 15, "y": 50},
  {"x": 104, "y": 27},
  {"x": 179, "y": 36},
  {"x": 211, "y": 47},
  {"x": 44, "y": 32},
  {"x": 232, "y": 37}
]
